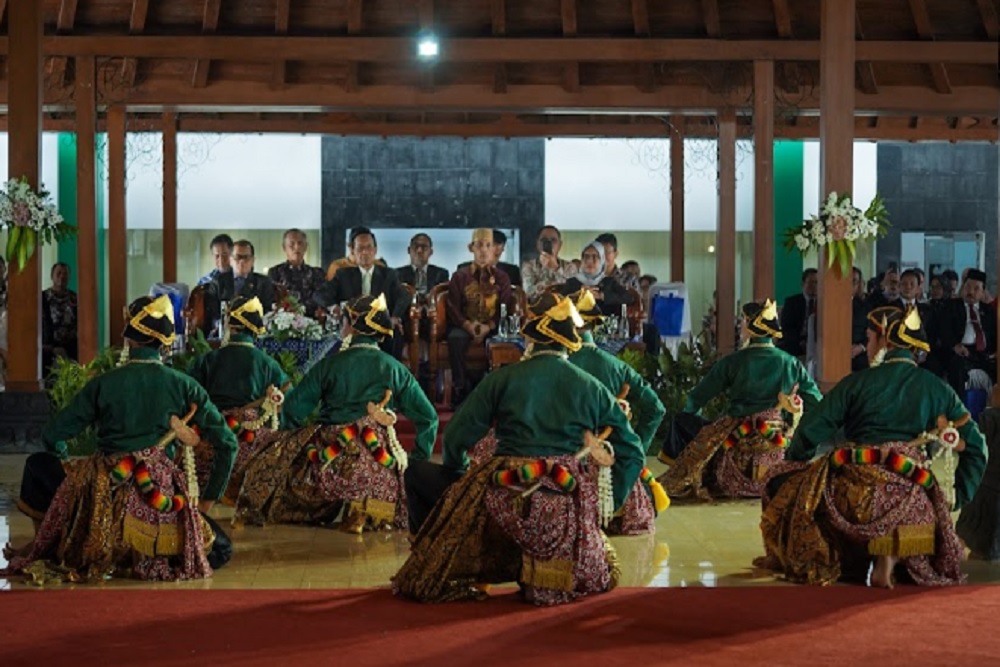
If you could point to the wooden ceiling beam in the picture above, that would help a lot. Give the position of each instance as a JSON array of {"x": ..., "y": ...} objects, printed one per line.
[
  {"x": 3, "y": 10},
  {"x": 782, "y": 19},
  {"x": 425, "y": 18},
  {"x": 640, "y": 18},
  {"x": 351, "y": 82},
  {"x": 136, "y": 26},
  {"x": 498, "y": 25},
  {"x": 713, "y": 23},
  {"x": 864, "y": 69},
  {"x": 991, "y": 24},
  {"x": 355, "y": 17},
  {"x": 500, "y": 78},
  {"x": 209, "y": 24},
  {"x": 541, "y": 50},
  {"x": 925, "y": 29},
  {"x": 571, "y": 70},
  {"x": 279, "y": 69},
  {"x": 67, "y": 16}
]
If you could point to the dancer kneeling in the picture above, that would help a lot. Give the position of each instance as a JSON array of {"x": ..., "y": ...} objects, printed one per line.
[
  {"x": 128, "y": 508},
  {"x": 876, "y": 497},
  {"x": 247, "y": 384},
  {"x": 349, "y": 459},
  {"x": 533, "y": 512},
  {"x": 731, "y": 456}
]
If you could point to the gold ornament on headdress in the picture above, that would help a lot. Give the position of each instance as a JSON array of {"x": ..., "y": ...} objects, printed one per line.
[
  {"x": 250, "y": 306},
  {"x": 158, "y": 308},
  {"x": 562, "y": 311},
  {"x": 586, "y": 302},
  {"x": 482, "y": 234},
  {"x": 911, "y": 323},
  {"x": 377, "y": 305},
  {"x": 769, "y": 313}
]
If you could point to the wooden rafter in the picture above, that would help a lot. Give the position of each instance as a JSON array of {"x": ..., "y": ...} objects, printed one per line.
[
  {"x": 713, "y": 23},
  {"x": 491, "y": 50},
  {"x": 571, "y": 70},
  {"x": 425, "y": 18},
  {"x": 355, "y": 17},
  {"x": 865, "y": 70},
  {"x": 782, "y": 19},
  {"x": 279, "y": 69},
  {"x": 640, "y": 18},
  {"x": 925, "y": 29},
  {"x": 3, "y": 10},
  {"x": 209, "y": 24},
  {"x": 136, "y": 26},
  {"x": 67, "y": 16},
  {"x": 498, "y": 25},
  {"x": 991, "y": 24}
]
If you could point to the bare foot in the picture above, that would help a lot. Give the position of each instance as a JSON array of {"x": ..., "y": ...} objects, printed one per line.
[{"x": 882, "y": 573}]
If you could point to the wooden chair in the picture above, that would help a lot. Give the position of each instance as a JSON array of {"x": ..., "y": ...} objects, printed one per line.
[
  {"x": 197, "y": 312},
  {"x": 437, "y": 314},
  {"x": 411, "y": 331},
  {"x": 636, "y": 312}
]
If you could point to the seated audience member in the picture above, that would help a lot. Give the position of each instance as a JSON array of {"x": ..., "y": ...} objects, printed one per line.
[
  {"x": 482, "y": 530},
  {"x": 345, "y": 459},
  {"x": 127, "y": 509},
  {"x": 299, "y": 278},
  {"x": 889, "y": 293},
  {"x": 795, "y": 316},
  {"x": 611, "y": 295},
  {"x": 859, "y": 321},
  {"x": 419, "y": 272},
  {"x": 874, "y": 497},
  {"x": 475, "y": 294},
  {"x": 952, "y": 284},
  {"x": 624, "y": 278},
  {"x": 222, "y": 252},
  {"x": 367, "y": 278},
  {"x": 939, "y": 289},
  {"x": 499, "y": 245},
  {"x": 632, "y": 267},
  {"x": 59, "y": 310},
  {"x": 347, "y": 260},
  {"x": 245, "y": 281},
  {"x": 968, "y": 333},
  {"x": 547, "y": 270}
]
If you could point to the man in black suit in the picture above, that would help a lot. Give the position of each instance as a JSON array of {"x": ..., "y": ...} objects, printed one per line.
[
  {"x": 795, "y": 315},
  {"x": 968, "y": 333},
  {"x": 420, "y": 273},
  {"x": 367, "y": 278},
  {"x": 499, "y": 245},
  {"x": 243, "y": 280}
]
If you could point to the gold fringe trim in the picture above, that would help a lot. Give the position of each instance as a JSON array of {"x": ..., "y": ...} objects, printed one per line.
[
  {"x": 905, "y": 541},
  {"x": 150, "y": 540},
  {"x": 29, "y": 511},
  {"x": 378, "y": 511},
  {"x": 614, "y": 565},
  {"x": 553, "y": 574}
]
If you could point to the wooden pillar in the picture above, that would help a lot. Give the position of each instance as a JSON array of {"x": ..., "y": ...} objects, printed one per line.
[
  {"x": 725, "y": 247},
  {"x": 24, "y": 118},
  {"x": 117, "y": 270},
  {"x": 86, "y": 209},
  {"x": 833, "y": 340},
  {"x": 677, "y": 200},
  {"x": 169, "y": 197},
  {"x": 763, "y": 200}
]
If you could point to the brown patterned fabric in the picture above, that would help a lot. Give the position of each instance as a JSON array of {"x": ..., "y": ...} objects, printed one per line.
[
  {"x": 95, "y": 528},
  {"x": 480, "y": 533},
  {"x": 706, "y": 469},
  {"x": 204, "y": 455},
  {"x": 281, "y": 484},
  {"x": 821, "y": 516}
]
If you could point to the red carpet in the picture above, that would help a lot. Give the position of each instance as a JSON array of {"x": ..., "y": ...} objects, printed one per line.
[
  {"x": 407, "y": 433},
  {"x": 844, "y": 626}
]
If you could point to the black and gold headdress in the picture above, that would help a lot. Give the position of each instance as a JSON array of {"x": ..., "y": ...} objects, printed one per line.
[
  {"x": 762, "y": 319},
  {"x": 880, "y": 318},
  {"x": 908, "y": 332},
  {"x": 148, "y": 320},
  {"x": 587, "y": 306},
  {"x": 552, "y": 318},
  {"x": 247, "y": 314},
  {"x": 370, "y": 316}
]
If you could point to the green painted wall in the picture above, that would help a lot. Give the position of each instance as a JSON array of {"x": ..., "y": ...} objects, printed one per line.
[
  {"x": 788, "y": 177},
  {"x": 67, "y": 202}
]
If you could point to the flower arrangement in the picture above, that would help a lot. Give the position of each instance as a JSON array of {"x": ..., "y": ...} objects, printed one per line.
[
  {"x": 289, "y": 321},
  {"x": 30, "y": 219},
  {"x": 838, "y": 227}
]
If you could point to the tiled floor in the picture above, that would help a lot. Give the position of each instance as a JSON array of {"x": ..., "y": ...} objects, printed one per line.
[{"x": 694, "y": 545}]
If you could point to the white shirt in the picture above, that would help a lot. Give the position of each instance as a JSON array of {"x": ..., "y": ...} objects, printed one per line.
[{"x": 970, "y": 333}]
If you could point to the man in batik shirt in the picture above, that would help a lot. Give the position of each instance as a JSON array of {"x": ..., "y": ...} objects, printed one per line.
[
  {"x": 548, "y": 270},
  {"x": 300, "y": 279}
]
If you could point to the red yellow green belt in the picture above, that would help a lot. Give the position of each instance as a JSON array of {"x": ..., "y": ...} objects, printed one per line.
[
  {"x": 768, "y": 428},
  {"x": 529, "y": 473},
  {"x": 900, "y": 464},
  {"x": 242, "y": 434},
  {"x": 128, "y": 466},
  {"x": 323, "y": 453}
]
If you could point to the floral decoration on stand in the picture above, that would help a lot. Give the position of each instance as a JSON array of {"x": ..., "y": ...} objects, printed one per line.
[
  {"x": 289, "y": 321},
  {"x": 30, "y": 220},
  {"x": 838, "y": 227}
]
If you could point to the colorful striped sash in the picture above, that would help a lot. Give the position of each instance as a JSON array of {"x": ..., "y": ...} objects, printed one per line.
[
  {"x": 772, "y": 430},
  {"x": 529, "y": 473},
  {"x": 324, "y": 453},
  {"x": 900, "y": 464},
  {"x": 129, "y": 466}
]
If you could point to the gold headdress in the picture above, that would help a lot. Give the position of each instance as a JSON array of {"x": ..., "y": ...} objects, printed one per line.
[
  {"x": 153, "y": 318},
  {"x": 248, "y": 314},
  {"x": 762, "y": 320},
  {"x": 552, "y": 318},
  {"x": 908, "y": 332},
  {"x": 370, "y": 316}
]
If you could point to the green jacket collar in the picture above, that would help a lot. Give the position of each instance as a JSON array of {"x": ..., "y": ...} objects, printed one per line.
[{"x": 145, "y": 353}]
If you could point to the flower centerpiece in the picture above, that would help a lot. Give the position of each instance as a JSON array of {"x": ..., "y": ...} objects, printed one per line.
[
  {"x": 30, "y": 219},
  {"x": 838, "y": 227},
  {"x": 289, "y": 321}
]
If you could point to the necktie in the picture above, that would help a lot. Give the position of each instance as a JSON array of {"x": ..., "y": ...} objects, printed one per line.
[
  {"x": 421, "y": 280},
  {"x": 978, "y": 328},
  {"x": 366, "y": 283},
  {"x": 812, "y": 306}
]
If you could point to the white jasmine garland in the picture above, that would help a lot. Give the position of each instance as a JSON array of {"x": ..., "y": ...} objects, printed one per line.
[
  {"x": 838, "y": 227},
  {"x": 30, "y": 219}
]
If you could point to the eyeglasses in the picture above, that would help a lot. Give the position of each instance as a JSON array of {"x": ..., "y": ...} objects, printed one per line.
[
  {"x": 242, "y": 258},
  {"x": 421, "y": 246}
]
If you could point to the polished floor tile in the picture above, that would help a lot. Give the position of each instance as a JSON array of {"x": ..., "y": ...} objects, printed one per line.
[{"x": 694, "y": 545}]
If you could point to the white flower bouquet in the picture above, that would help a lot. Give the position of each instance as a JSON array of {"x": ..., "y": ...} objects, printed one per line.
[
  {"x": 30, "y": 219},
  {"x": 289, "y": 321},
  {"x": 838, "y": 228}
]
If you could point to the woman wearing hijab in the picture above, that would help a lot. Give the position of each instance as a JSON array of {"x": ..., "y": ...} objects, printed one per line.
[{"x": 609, "y": 293}]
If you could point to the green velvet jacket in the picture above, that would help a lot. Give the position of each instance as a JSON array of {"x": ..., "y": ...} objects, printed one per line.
[
  {"x": 896, "y": 401},
  {"x": 613, "y": 373},
  {"x": 131, "y": 408},
  {"x": 752, "y": 378},
  {"x": 541, "y": 407},
  {"x": 238, "y": 373},
  {"x": 342, "y": 384}
]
